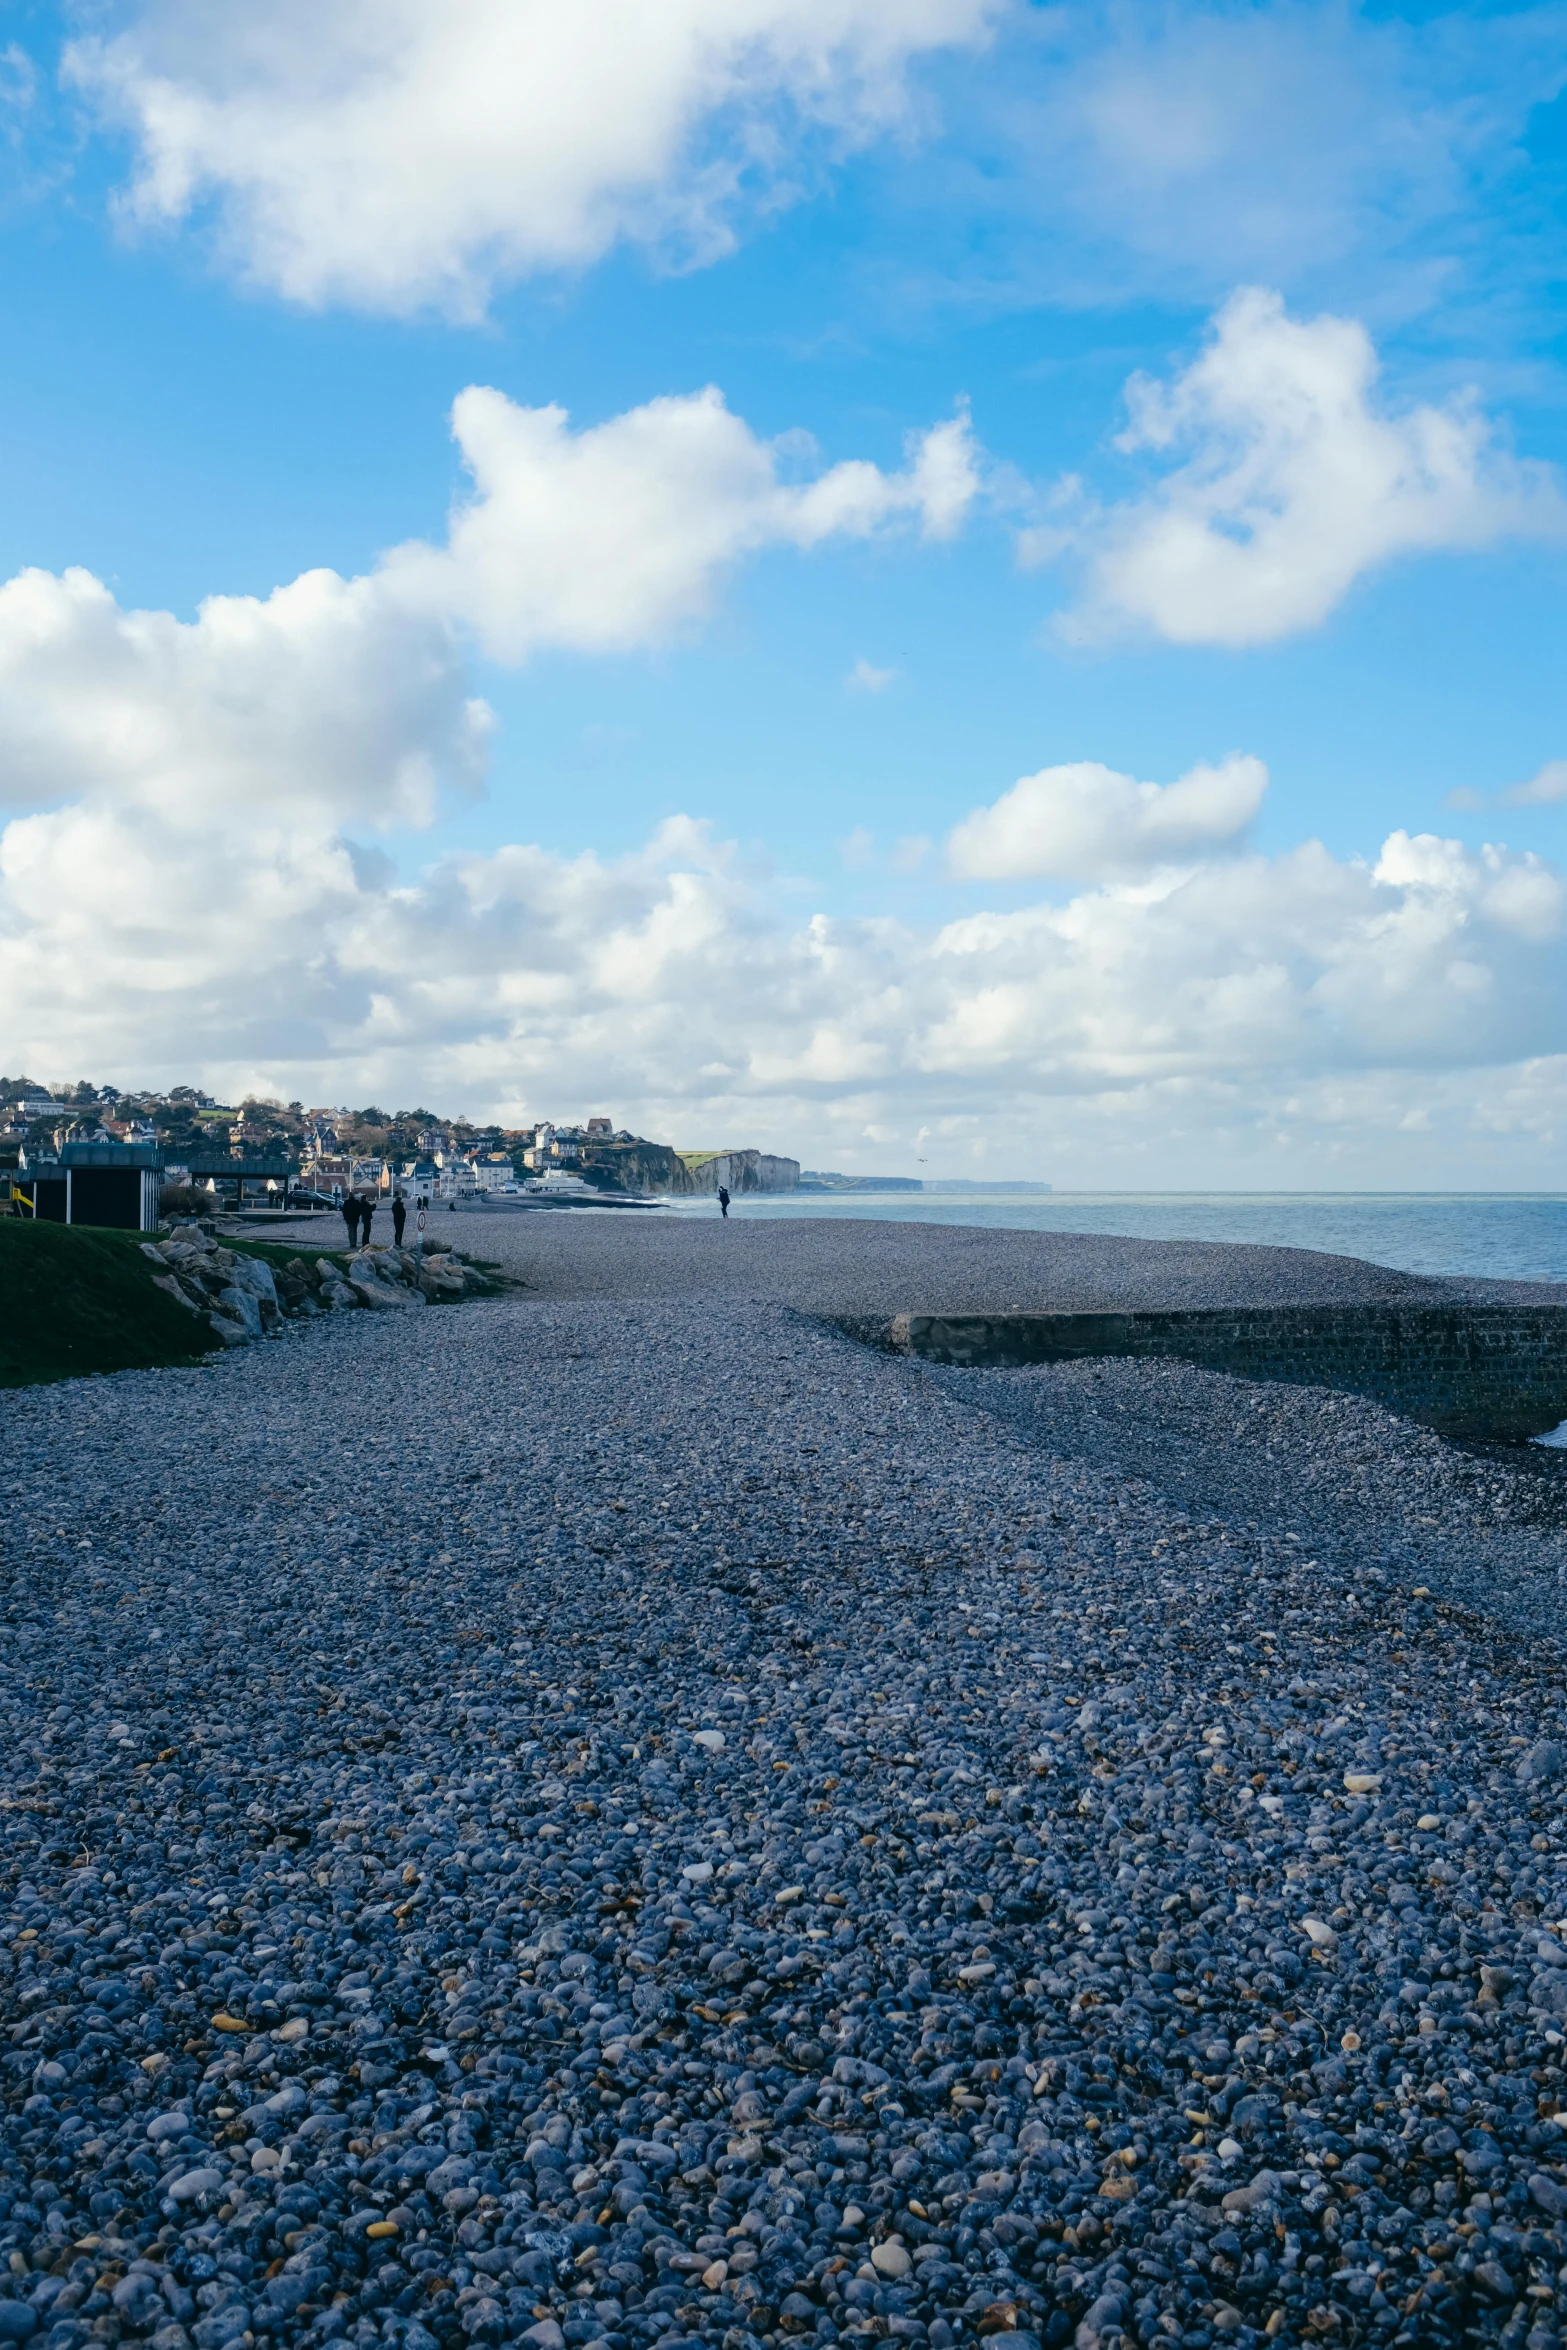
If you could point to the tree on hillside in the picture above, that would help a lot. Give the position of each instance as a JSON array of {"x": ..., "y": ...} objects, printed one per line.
[
  {"x": 268, "y": 1119},
  {"x": 176, "y": 1126}
]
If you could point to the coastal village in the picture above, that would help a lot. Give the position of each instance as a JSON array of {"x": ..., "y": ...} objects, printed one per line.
[{"x": 266, "y": 1150}]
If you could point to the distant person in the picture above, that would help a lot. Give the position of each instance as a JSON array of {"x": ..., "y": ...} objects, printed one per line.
[
  {"x": 399, "y": 1217},
  {"x": 366, "y": 1218},
  {"x": 723, "y": 1203},
  {"x": 351, "y": 1218}
]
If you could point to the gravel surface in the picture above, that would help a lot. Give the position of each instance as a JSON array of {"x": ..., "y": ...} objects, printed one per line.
[
  {"x": 1482, "y": 1524},
  {"x": 874, "y": 1266},
  {"x": 615, "y": 1814}
]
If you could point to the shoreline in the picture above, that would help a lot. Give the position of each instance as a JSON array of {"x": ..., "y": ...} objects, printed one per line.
[{"x": 759, "y": 1800}]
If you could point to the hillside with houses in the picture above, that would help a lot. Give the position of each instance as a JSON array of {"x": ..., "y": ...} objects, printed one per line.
[{"x": 331, "y": 1150}]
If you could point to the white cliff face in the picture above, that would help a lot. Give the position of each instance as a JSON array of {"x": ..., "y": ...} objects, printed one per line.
[{"x": 747, "y": 1170}]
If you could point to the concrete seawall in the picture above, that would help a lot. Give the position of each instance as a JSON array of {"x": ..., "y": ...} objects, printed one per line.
[{"x": 1460, "y": 1369}]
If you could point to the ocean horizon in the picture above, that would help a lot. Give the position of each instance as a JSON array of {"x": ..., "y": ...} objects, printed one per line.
[{"x": 1502, "y": 1236}]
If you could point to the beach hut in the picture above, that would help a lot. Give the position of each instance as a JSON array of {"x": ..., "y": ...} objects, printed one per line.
[{"x": 113, "y": 1184}]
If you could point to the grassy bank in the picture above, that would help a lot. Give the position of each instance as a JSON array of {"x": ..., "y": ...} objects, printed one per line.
[{"x": 74, "y": 1299}]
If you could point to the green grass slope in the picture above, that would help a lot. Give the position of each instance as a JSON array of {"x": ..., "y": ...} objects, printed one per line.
[
  {"x": 74, "y": 1299},
  {"x": 277, "y": 1253}
]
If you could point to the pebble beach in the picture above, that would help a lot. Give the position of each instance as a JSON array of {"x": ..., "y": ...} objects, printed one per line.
[{"x": 614, "y": 1814}]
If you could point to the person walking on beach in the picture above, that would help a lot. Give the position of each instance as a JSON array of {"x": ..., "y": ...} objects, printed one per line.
[
  {"x": 399, "y": 1217},
  {"x": 351, "y": 1218},
  {"x": 366, "y": 1214},
  {"x": 723, "y": 1203}
]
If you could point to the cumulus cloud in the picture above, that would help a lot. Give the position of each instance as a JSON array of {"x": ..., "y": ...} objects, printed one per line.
[
  {"x": 412, "y": 152},
  {"x": 349, "y": 696},
  {"x": 183, "y": 899},
  {"x": 327, "y": 694},
  {"x": 1084, "y": 822},
  {"x": 1254, "y": 997},
  {"x": 617, "y": 536},
  {"x": 1294, "y": 481}
]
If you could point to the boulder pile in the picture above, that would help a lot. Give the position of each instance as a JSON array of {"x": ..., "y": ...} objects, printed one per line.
[{"x": 241, "y": 1298}]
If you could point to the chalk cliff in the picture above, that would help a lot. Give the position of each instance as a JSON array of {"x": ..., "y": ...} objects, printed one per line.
[
  {"x": 653, "y": 1166},
  {"x": 738, "y": 1171}
]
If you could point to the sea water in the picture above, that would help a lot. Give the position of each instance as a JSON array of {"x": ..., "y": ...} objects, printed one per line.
[{"x": 1504, "y": 1236}]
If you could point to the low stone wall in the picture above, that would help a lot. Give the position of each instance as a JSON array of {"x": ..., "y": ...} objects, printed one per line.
[{"x": 1463, "y": 1370}]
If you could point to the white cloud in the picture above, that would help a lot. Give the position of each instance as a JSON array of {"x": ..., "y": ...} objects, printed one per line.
[
  {"x": 1546, "y": 788},
  {"x": 1085, "y": 822},
  {"x": 347, "y": 698},
  {"x": 866, "y": 678},
  {"x": 182, "y": 901},
  {"x": 1299, "y": 1010},
  {"x": 1522, "y": 895},
  {"x": 327, "y": 695},
  {"x": 617, "y": 536},
  {"x": 1295, "y": 481},
  {"x": 418, "y": 152},
  {"x": 1543, "y": 790}
]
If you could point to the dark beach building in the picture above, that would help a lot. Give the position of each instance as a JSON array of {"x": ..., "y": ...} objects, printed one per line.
[{"x": 113, "y": 1184}]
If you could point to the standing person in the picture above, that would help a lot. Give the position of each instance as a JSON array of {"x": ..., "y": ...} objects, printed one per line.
[
  {"x": 723, "y": 1203},
  {"x": 366, "y": 1215},
  {"x": 399, "y": 1217},
  {"x": 351, "y": 1218}
]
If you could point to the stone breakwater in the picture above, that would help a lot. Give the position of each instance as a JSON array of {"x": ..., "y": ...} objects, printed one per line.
[
  {"x": 241, "y": 1297},
  {"x": 726, "y": 1840},
  {"x": 1465, "y": 1368}
]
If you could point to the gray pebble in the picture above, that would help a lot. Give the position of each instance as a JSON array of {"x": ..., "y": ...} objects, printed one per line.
[{"x": 662, "y": 1826}]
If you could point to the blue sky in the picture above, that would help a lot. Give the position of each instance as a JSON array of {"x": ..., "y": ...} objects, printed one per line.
[{"x": 246, "y": 283}]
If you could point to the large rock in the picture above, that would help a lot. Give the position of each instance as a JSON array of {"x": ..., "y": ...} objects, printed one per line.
[
  {"x": 242, "y": 1299},
  {"x": 172, "y": 1288},
  {"x": 252, "y": 1278},
  {"x": 243, "y": 1306},
  {"x": 371, "y": 1290},
  {"x": 439, "y": 1280}
]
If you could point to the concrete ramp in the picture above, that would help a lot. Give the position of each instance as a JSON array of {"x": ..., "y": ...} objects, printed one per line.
[{"x": 1460, "y": 1369}]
